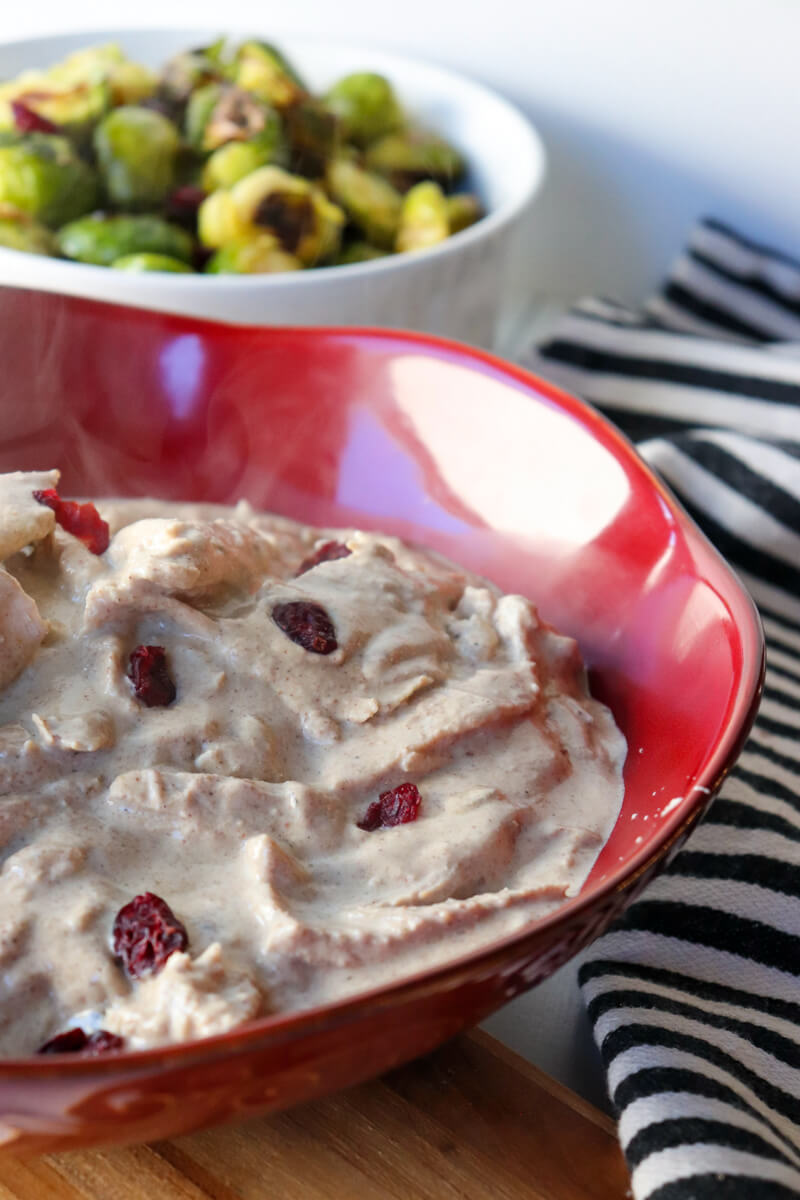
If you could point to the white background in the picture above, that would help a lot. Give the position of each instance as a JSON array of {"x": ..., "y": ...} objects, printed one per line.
[{"x": 653, "y": 111}]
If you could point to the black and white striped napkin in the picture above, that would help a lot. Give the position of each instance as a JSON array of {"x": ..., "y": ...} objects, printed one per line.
[{"x": 694, "y": 995}]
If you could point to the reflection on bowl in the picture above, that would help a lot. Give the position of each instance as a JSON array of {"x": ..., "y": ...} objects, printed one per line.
[{"x": 452, "y": 449}]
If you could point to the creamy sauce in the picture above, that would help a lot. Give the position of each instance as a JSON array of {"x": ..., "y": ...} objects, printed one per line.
[{"x": 239, "y": 803}]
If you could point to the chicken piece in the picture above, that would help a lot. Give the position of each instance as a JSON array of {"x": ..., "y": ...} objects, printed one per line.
[
  {"x": 25, "y": 520},
  {"x": 22, "y": 629}
]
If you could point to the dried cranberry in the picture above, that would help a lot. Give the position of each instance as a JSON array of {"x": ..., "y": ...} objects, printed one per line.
[
  {"x": 150, "y": 676},
  {"x": 83, "y": 521},
  {"x": 27, "y": 120},
  {"x": 397, "y": 807},
  {"x": 183, "y": 203},
  {"x": 103, "y": 1042},
  {"x": 328, "y": 552},
  {"x": 146, "y": 932},
  {"x": 71, "y": 1042},
  {"x": 307, "y": 624},
  {"x": 75, "y": 1041}
]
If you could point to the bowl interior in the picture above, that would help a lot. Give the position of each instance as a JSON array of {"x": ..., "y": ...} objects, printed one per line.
[{"x": 438, "y": 444}]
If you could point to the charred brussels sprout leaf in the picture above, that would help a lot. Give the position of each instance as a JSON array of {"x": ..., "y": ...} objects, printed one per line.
[{"x": 217, "y": 115}]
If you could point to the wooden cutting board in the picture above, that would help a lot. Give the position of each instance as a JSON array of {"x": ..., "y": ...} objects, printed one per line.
[{"x": 472, "y": 1121}]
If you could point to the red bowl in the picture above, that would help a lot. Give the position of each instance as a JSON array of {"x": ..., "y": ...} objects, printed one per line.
[{"x": 454, "y": 449}]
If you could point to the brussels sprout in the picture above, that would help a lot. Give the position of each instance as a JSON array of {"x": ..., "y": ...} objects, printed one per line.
[
  {"x": 151, "y": 262},
  {"x": 102, "y": 239},
  {"x": 217, "y": 115},
  {"x": 87, "y": 65},
  {"x": 218, "y": 220},
  {"x": 260, "y": 68},
  {"x": 131, "y": 83},
  {"x": 42, "y": 176},
  {"x": 72, "y": 112},
  {"x": 128, "y": 82},
  {"x": 137, "y": 151},
  {"x": 358, "y": 252},
  {"x": 409, "y": 157},
  {"x": 259, "y": 254},
  {"x": 21, "y": 233},
  {"x": 423, "y": 218},
  {"x": 191, "y": 69},
  {"x": 366, "y": 106},
  {"x": 234, "y": 160},
  {"x": 75, "y": 93},
  {"x": 463, "y": 209},
  {"x": 300, "y": 215},
  {"x": 199, "y": 108},
  {"x": 313, "y": 138},
  {"x": 369, "y": 201}
]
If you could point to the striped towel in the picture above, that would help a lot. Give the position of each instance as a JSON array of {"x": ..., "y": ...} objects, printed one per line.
[{"x": 694, "y": 995}]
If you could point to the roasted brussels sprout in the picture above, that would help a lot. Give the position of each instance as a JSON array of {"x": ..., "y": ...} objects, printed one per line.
[
  {"x": 128, "y": 82},
  {"x": 75, "y": 94},
  {"x": 21, "y": 233},
  {"x": 41, "y": 175},
  {"x": 219, "y": 114},
  {"x": 259, "y": 254},
  {"x": 423, "y": 218},
  {"x": 263, "y": 70},
  {"x": 137, "y": 151},
  {"x": 314, "y": 138},
  {"x": 131, "y": 83},
  {"x": 366, "y": 106},
  {"x": 358, "y": 252},
  {"x": 151, "y": 262},
  {"x": 233, "y": 161},
  {"x": 298, "y": 215},
  {"x": 201, "y": 104},
  {"x": 104, "y": 239},
  {"x": 463, "y": 209},
  {"x": 71, "y": 112},
  {"x": 218, "y": 220},
  {"x": 411, "y": 156},
  {"x": 369, "y": 201},
  {"x": 190, "y": 70}
]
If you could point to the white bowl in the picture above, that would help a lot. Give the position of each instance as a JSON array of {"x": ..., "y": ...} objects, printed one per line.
[{"x": 458, "y": 289}]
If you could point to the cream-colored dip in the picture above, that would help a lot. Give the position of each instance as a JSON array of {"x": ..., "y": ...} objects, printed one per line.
[{"x": 239, "y": 803}]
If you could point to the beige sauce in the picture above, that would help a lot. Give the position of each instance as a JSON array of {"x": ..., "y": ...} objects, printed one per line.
[{"x": 239, "y": 803}]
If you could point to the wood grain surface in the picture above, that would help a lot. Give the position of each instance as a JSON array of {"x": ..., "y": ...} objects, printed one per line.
[{"x": 472, "y": 1121}]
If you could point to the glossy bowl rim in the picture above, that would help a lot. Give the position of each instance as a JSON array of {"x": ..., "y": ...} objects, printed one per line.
[
  {"x": 529, "y": 174},
  {"x": 289, "y": 1026}
]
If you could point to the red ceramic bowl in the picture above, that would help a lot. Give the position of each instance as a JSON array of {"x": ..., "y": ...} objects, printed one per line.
[{"x": 453, "y": 449}]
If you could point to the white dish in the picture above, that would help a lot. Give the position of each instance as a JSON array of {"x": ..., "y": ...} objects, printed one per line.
[{"x": 458, "y": 289}]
